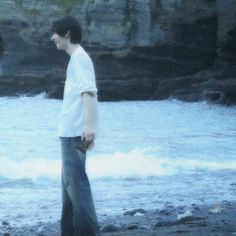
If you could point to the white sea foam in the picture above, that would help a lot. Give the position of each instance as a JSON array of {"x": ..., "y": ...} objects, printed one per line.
[
  {"x": 32, "y": 169},
  {"x": 133, "y": 163},
  {"x": 142, "y": 164},
  {"x": 136, "y": 163}
]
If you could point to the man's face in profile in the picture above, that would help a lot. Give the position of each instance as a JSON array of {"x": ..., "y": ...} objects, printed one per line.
[{"x": 60, "y": 42}]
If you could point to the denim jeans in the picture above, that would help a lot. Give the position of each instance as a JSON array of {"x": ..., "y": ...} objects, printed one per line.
[{"x": 78, "y": 213}]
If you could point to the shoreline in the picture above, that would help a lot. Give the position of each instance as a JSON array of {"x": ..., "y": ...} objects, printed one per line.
[{"x": 215, "y": 219}]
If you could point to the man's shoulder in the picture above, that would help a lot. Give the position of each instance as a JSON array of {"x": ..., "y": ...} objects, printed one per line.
[{"x": 81, "y": 55}]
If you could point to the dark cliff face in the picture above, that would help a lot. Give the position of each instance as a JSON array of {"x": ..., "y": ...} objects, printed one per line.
[
  {"x": 142, "y": 49},
  {"x": 226, "y": 32},
  {"x": 1, "y": 47}
]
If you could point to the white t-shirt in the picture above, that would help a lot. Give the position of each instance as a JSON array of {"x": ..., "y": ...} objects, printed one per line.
[{"x": 80, "y": 77}]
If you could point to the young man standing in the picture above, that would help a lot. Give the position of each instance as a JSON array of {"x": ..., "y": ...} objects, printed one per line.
[{"x": 76, "y": 131}]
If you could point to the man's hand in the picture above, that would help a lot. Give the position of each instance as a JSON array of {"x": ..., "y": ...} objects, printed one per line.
[{"x": 88, "y": 137}]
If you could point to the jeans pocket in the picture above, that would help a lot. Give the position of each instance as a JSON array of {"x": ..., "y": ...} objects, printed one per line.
[{"x": 79, "y": 144}]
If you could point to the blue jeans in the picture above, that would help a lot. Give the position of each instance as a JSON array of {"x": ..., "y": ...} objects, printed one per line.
[{"x": 78, "y": 213}]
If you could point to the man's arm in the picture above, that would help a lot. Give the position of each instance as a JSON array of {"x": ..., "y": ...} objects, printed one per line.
[{"x": 89, "y": 103}]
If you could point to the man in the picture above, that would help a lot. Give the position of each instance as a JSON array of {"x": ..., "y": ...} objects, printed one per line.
[{"x": 76, "y": 131}]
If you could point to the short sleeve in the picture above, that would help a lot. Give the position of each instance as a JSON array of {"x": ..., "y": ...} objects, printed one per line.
[{"x": 83, "y": 73}]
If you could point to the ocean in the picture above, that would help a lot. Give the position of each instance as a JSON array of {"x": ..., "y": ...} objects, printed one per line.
[{"x": 148, "y": 154}]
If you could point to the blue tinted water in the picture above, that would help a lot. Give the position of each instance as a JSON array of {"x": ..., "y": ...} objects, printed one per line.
[{"x": 151, "y": 152}]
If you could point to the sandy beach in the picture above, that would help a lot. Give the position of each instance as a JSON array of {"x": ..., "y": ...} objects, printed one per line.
[{"x": 195, "y": 220}]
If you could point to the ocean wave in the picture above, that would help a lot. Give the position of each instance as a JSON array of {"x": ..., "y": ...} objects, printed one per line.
[
  {"x": 31, "y": 168},
  {"x": 130, "y": 166}
]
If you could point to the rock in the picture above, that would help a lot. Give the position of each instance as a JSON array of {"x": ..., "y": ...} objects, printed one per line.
[
  {"x": 165, "y": 223},
  {"x": 165, "y": 212},
  {"x": 135, "y": 211},
  {"x": 216, "y": 209},
  {"x": 142, "y": 49},
  {"x": 42, "y": 230},
  {"x": 132, "y": 226},
  {"x": 191, "y": 218},
  {"x": 214, "y": 96},
  {"x": 229, "y": 88},
  {"x": 110, "y": 228},
  {"x": 226, "y": 54},
  {"x": 195, "y": 207},
  {"x": 184, "y": 215},
  {"x": 6, "y": 234},
  {"x": 138, "y": 214},
  {"x": 5, "y": 223}
]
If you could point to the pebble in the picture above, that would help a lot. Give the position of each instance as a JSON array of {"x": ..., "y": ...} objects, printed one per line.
[
  {"x": 186, "y": 214},
  {"x": 41, "y": 230},
  {"x": 133, "y": 212},
  {"x": 6, "y": 234},
  {"x": 165, "y": 212},
  {"x": 110, "y": 228},
  {"x": 132, "y": 226},
  {"x": 216, "y": 209},
  {"x": 164, "y": 223},
  {"x": 5, "y": 223},
  {"x": 138, "y": 214}
]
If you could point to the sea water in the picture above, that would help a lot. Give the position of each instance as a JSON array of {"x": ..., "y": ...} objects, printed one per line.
[{"x": 147, "y": 155}]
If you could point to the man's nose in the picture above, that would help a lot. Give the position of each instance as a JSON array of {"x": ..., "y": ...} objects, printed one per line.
[{"x": 52, "y": 38}]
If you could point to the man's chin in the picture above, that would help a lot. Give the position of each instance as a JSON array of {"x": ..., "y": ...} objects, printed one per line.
[{"x": 59, "y": 47}]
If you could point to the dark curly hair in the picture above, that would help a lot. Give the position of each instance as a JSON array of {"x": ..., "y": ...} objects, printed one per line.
[{"x": 68, "y": 24}]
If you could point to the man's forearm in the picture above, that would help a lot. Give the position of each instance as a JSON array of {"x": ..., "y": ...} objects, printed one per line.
[{"x": 90, "y": 111}]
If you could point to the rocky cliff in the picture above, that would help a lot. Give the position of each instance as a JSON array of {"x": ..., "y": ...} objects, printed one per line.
[{"x": 142, "y": 49}]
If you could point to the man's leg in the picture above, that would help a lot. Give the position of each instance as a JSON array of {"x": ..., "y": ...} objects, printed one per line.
[
  {"x": 78, "y": 189},
  {"x": 67, "y": 213},
  {"x": 67, "y": 228}
]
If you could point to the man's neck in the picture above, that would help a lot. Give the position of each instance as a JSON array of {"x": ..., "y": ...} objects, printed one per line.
[{"x": 71, "y": 48}]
